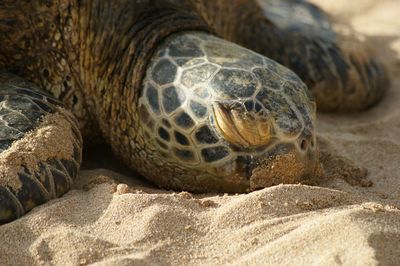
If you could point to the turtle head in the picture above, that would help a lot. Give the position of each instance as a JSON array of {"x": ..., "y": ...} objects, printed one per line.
[
  {"x": 266, "y": 153},
  {"x": 225, "y": 118},
  {"x": 241, "y": 127}
]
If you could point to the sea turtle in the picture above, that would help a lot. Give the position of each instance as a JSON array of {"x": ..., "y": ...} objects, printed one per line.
[{"x": 165, "y": 83}]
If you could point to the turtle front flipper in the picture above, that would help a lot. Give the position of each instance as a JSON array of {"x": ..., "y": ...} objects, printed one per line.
[{"x": 40, "y": 147}]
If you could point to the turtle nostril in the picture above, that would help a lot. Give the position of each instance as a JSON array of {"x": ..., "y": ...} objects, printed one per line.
[
  {"x": 306, "y": 140},
  {"x": 304, "y": 144}
]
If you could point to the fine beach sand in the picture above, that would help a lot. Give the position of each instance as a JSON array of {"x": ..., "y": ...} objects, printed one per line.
[{"x": 112, "y": 217}]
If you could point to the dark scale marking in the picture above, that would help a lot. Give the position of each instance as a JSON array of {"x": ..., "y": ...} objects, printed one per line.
[
  {"x": 8, "y": 205},
  {"x": 21, "y": 103},
  {"x": 289, "y": 122},
  {"x": 60, "y": 181},
  {"x": 185, "y": 155},
  {"x": 30, "y": 194},
  {"x": 18, "y": 121},
  {"x": 300, "y": 67},
  {"x": 26, "y": 106},
  {"x": 359, "y": 68},
  {"x": 249, "y": 105},
  {"x": 184, "y": 120},
  {"x": 198, "y": 109},
  {"x": 164, "y": 134},
  {"x": 266, "y": 78},
  {"x": 59, "y": 166},
  {"x": 234, "y": 83},
  {"x": 77, "y": 153},
  {"x": 369, "y": 75},
  {"x": 181, "y": 139},
  {"x": 378, "y": 70},
  {"x": 4, "y": 111},
  {"x": 373, "y": 75},
  {"x": 318, "y": 59},
  {"x": 77, "y": 134},
  {"x": 285, "y": 117},
  {"x": 205, "y": 135},
  {"x": 5, "y": 144},
  {"x": 55, "y": 102},
  {"x": 172, "y": 98},
  {"x": 341, "y": 65},
  {"x": 214, "y": 154},
  {"x": 378, "y": 79},
  {"x": 33, "y": 115},
  {"x": 258, "y": 107},
  {"x": 46, "y": 107},
  {"x": 152, "y": 97},
  {"x": 290, "y": 90},
  {"x": 29, "y": 93},
  {"x": 263, "y": 95},
  {"x": 164, "y": 72},
  {"x": 9, "y": 133},
  {"x": 71, "y": 167}
]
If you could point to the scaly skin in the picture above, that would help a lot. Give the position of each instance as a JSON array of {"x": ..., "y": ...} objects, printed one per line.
[
  {"x": 22, "y": 106},
  {"x": 101, "y": 58},
  {"x": 213, "y": 112},
  {"x": 335, "y": 62}
]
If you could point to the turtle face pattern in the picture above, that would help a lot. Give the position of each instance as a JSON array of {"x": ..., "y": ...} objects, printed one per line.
[{"x": 213, "y": 106}]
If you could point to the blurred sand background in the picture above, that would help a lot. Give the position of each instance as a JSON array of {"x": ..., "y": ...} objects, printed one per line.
[{"x": 115, "y": 218}]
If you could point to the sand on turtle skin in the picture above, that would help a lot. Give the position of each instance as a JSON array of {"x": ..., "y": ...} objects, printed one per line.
[
  {"x": 52, "y": 138},
  {"x": 111, "y": 218}
]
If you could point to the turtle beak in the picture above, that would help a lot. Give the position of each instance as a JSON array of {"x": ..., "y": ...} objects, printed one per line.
[{"x": 243, "y": 129}]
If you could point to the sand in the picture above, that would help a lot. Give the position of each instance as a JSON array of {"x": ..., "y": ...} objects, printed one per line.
[
  {"x": 112, "y": 217},
  {"x": 42, "y": 144}
]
